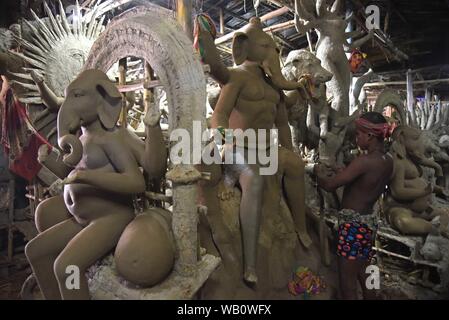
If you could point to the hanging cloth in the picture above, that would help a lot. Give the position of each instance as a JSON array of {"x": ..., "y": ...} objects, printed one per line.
[{"x": 19, "y": 138}]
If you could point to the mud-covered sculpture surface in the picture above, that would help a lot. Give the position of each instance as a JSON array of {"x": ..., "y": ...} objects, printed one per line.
[
  {"x": 315, "y": 124},
  {"x": 87, "y": 222},
  {"x": 298, "y": 64},
  {"x": 50, "y": 53},
  {"x": 251, "y": 98},
  {"x": 409, "y": 206},
  {"x": 331, "y": 46}
]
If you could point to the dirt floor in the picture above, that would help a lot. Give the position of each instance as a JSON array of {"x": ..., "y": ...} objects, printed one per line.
[
  {"x": 12, "y": 276},
  {"x": 393, "y": 287}
]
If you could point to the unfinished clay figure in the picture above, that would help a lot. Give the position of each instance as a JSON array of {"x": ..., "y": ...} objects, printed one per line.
[
  {"x": 409, "y": 207},
  {"x": 331, "y": 46},
  {"x": 98, "y": 192},
  {"x": 251, "y": 99}
]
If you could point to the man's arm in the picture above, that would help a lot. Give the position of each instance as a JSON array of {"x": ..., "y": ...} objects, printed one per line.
[
  {"x": 226, "y": 102},
  {"x": 356, "y": 168},
  {"x": 291, "y": 97},
  {"x": 127, "y": 180},
  {"x": 281, "y": 122}
]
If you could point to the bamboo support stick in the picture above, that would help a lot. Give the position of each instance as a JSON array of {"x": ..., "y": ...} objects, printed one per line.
[{"x": 122, "y": 81}]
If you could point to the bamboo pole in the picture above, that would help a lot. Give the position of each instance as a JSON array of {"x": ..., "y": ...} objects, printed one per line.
[
  {"x": 222, "y": 23},
  {"x": 410, "y": 98},
  {"x": 147, "y": 92},
  {"x": 122, "y": 81},
  {"x": 270, "y": 15},
  {"x": 274, "y": 14},
  {"x": 393, "y": 83},
  {"x": 184, "y": 10}
]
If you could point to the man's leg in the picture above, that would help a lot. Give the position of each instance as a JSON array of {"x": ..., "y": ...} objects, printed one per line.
[
  {"x": 50, "y": 212},
  {"x": 403, "y": 220},
  {"x": 42, "y": 251},
  {"x": 294, "y": 187},
  {"x": 89, "y": 245},
  {"x": 368, "y": 294},
  {"x": 250, "y": 212},
  {"x": 348, "y": 272}
]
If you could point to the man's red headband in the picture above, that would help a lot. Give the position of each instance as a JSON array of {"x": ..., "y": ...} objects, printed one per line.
[{"x": 376, "y": 129}]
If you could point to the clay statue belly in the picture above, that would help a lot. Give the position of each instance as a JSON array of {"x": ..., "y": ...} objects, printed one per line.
[
  {"x": 86, "y": 202},
  {"x": 420, "y": 204}
]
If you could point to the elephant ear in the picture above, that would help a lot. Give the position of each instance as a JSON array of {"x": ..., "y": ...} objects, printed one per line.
[
  {"x": 110, "y": 103},
  {"x": 240, "y": 47}
]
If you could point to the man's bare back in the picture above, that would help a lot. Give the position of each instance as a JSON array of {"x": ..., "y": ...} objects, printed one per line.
[{"x": 361, "y": 194}]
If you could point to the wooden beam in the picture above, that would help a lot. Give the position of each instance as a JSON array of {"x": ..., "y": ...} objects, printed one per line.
[
  {"x": 147, "y": 92},
  {"x": 139, "y": 85},
  {"x": 410, "y": 97},
  {"x": 222, "y": 23},
  {"x": 146, "y": 83},
  {"x": 274, "y": 14},
  {"x": 184, "y": 9},
  {"x": 122, "y": 81},
  {"x": 277, "y": 3},
  {"x": 379, "y": 36},
  {"x": 280, "y": 26},
  {"x": 265, "y": 17},
  {"x": 403, "y": 83},
  {"x": 439, "y": 67},
  {"x": 273, "y": 28}
]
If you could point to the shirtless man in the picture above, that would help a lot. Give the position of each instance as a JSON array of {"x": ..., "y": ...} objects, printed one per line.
[
  {"x": 251, "y": 99},
  {"x": 365, "y": 179}
]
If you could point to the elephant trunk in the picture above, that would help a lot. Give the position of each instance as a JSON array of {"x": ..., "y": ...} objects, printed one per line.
[
  {"x": 272, "y": 68},
  {"x": 67, "y": 140},
  {"x": 323, "y": 76}
]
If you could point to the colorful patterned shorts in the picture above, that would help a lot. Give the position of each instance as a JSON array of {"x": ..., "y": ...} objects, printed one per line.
[{"x": 355, "y": 237}]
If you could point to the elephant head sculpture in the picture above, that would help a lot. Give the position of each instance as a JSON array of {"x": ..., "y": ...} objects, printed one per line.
[
  {"x": 91, "y": 100},
  {"x": 251, "y": 97},
  {"x": 255, "y": 45},
  {"x": 302, "y": 62},
  {"x": 86, "y": 222},
  {"x": 411, "y": 142},
  {"x": 250, "y": 43},
  {"x": 409, "y": 204}
]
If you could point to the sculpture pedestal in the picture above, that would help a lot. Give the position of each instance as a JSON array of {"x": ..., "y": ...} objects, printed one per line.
[
  {"x": 279, "y": 250},
  {"x": 106, "y": 284}
]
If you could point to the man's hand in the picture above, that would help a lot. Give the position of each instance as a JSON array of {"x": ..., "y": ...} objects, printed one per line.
[
  {"x": 337, "y": 168},
  {"x": 152, "y": 117},
  {"x": 219, "y": 136},
  {"x": 56, "y": 188},
  {"x": 429, "y": 189},
  {"x": 80, "y": 176},
  {"x": 323, "y": 171},
  {"x": 42, "y": 153}
]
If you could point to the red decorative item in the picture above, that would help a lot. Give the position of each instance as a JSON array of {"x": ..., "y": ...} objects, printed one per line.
[
  {"x": 20, "y": 140},
  {"x": 377, "y": 129},
  {"x": 356, "y": 60}
]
